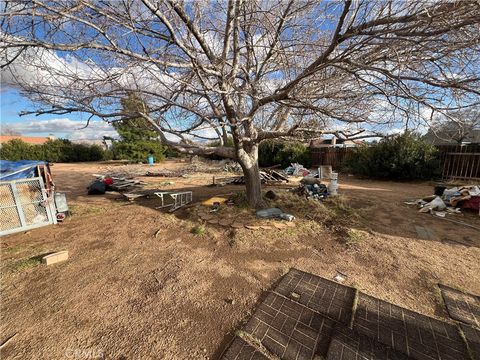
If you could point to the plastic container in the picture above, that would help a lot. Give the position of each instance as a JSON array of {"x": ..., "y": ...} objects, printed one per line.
[
  {"x": 333, "y": 186},
  {"x": 439, "y": 189},
  {"x": 150, "y": 160},
  {"x": 61, "y": 202}
]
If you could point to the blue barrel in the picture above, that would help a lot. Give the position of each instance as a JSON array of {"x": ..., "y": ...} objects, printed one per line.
[{"x": 150, "y": 159}]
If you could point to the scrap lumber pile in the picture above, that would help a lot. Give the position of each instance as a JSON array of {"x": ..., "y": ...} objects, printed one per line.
[
  {"x": 269, "y": 177},
  {"x": 121, "y": 184},
  {"x": 116, "y": 183},
  {"x": 164, "y": 173}
]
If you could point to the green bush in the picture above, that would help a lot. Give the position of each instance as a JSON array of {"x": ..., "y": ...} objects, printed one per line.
[
  {"x": 16, "y": 149},
  {"x": 58, "y": 150},
  {"x": 273, "y": 152},
  {"x": 139, "y": 150},
  {"x": 402, "y": 157}
]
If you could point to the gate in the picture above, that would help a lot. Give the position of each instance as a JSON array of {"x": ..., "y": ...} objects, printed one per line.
[
  {"x": 24, "y": 205},
  {"x": 460, "y": 162}
]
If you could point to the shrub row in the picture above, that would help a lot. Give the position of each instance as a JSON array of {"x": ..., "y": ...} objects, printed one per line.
[
  {"x": 273, "y": 152},
  {"x": 59, "y": 150},
  {"x": 401, "y": 157}
]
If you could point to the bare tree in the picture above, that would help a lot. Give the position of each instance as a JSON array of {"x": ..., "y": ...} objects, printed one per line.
[
  {"x": 8, "y": 130},
  {"x": 460, "y": 126},
  {"x": 247, "y": 69}
]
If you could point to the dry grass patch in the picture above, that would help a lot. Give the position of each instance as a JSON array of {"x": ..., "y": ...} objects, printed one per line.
[
  {"x": 25, "y": 264},
  {"x": 355, "y": 238}
]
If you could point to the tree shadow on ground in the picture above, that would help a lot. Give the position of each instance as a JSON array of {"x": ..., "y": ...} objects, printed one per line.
[{"x": 373, "y": 208}]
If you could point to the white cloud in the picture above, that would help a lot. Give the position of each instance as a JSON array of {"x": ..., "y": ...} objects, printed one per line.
[{"x": 68, "y": 128}]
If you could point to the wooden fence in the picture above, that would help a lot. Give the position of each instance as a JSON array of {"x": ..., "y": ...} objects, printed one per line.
[
  {"x": 458, "y": 162},
  {"x": 334, "y": 156}
]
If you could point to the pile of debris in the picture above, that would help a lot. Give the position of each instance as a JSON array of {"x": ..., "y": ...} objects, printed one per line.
[
  {"x": 296, "y": 169},
  {"x": 125, "y": 171},
  {"x": 103, "y": 183},
  {"x": 449, "y": 200},
  {"x": 311, "y": 188},
  {"x": 232, "y": 166},
  {"x": 168, "y": 173},
  {"x": 268, "y": 177}
]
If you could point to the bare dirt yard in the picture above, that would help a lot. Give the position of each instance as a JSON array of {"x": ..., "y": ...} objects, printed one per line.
[{"x": 139, "y": 284}]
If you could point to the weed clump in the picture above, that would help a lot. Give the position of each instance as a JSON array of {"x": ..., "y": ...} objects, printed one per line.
[
  {"x": 354, "y": 238},
  {"x": 198, "y": 230}
]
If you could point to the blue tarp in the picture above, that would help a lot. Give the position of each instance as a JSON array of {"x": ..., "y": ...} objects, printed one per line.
[{"x": 22, "y": 169}]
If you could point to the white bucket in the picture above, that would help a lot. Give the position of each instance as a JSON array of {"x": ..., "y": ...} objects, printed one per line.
[{"x": 333, "y": 186}]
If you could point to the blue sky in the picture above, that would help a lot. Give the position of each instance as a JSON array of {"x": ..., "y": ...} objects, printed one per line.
[{"x": 64, "y": 126}]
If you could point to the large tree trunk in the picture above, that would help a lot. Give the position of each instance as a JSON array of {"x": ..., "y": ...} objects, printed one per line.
[{"x": 251, "y": 173}]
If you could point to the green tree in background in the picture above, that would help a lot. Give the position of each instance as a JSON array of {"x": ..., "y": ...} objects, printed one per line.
[
  {"x": 137, "y": 137},
  {"x": 400, "y": 157},
  {"x": 273, "y": 152}
]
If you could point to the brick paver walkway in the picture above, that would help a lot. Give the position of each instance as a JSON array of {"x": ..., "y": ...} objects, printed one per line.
[
  {"x": 472, "y": 336},
  {"x": 326, "y": 297},
  {"x": 347, "y": 344},
  {"x": 461, "y": 306},
  {"x": 307, "y": 317},
  {"x": 411, "y": 333},
  {"x": 240, "y": 350}
]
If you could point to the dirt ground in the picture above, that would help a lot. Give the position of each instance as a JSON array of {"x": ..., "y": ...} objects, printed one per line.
[{"x": 139, "y": 285}]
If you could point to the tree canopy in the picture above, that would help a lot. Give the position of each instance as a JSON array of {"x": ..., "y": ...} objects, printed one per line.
[
  {"x": 138, "y": 138},
  {"x": 250, "y": 70}
]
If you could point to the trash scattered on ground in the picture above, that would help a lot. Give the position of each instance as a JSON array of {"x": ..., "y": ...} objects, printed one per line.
[
  {"x": 269, "y": 213},
  {"x": 215, "y": 199},
  {"x": 340, "y": 277},
  {"x": 287, "y": 217},
  {"x": 97, "y": 187},
  {"x": 132, "y": 196},
  {"x": 54, "y": 258},
  {"x": 435, "y": 204},
  {"x": 295, "y": 295},
  {"x": 274, "y": 213},
  {"x": 316, "y": 191},
  {"x": 296, "y": 169},
  {"x": 311, "y": 187},
  {"x": 104, "y": 183},
  {"x": 310, "y": 180},
  {"x": 449, "y": 201}
]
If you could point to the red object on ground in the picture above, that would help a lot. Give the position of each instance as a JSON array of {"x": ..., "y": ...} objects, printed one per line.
[
  {"x": 108, "y": 181},
  {"x": 472, "y": 203}
]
